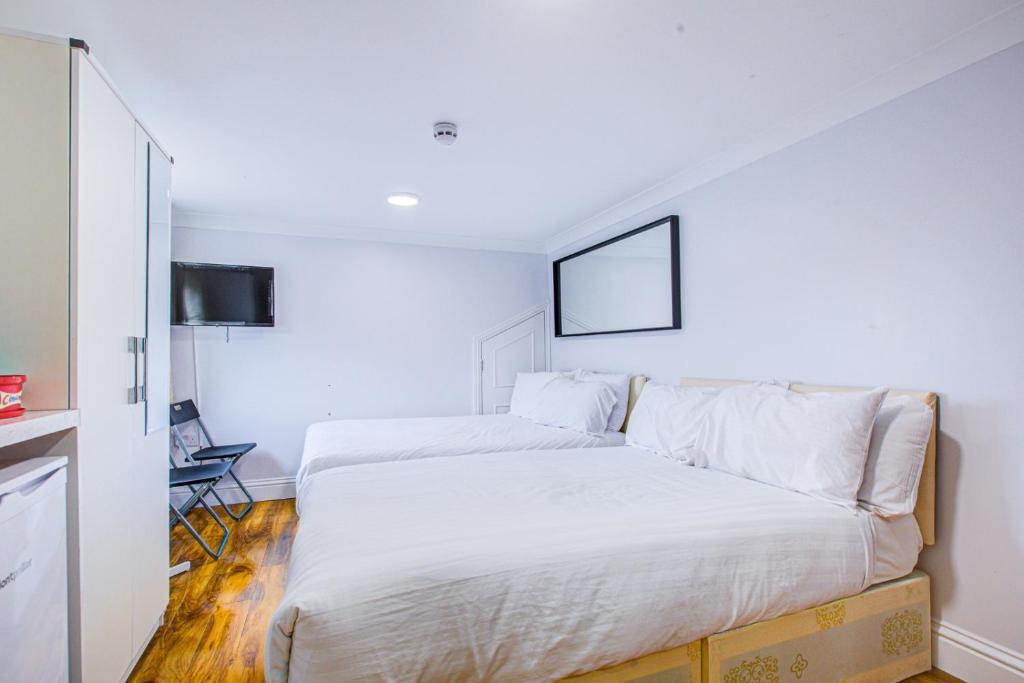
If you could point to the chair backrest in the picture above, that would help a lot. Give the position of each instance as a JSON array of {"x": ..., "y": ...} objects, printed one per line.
[{"x": 183, "y": 412}]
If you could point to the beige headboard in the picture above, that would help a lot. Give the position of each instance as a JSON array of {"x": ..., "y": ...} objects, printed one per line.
[
  {"x": 636, "y": 384},
  {"x": 924, "y": 511}
]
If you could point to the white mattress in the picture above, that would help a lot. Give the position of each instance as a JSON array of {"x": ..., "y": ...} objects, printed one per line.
[
  {"x": 354, "y": 442},
  {"x": 537, "y": 565}
]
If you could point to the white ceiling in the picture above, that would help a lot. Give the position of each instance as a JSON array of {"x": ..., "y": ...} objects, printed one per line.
[{"x": 308, "y": 113}]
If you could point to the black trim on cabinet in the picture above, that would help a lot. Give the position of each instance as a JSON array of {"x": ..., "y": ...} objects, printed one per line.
[
  {"x": 79, "y": 43},
  {"x": 677, "y": 313}
]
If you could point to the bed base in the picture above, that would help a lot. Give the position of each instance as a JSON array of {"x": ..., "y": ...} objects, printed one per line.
[
  {"x": 882, "y": 635},
  {"x": 678, "y": 665}
]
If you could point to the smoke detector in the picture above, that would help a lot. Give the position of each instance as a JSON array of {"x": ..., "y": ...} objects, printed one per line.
[{"x": 446, "y": 133}]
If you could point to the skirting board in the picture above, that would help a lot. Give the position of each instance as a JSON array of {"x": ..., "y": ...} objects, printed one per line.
[
  {"x": 973, "y": 658},
  {"x": 273, "y": 488}
]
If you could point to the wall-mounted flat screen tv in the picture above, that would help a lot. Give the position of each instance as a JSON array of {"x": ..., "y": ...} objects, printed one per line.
[{"x": 222, "y": 295}]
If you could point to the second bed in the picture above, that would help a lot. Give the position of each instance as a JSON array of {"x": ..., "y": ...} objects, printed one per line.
[{"x": 340, "y": 443}]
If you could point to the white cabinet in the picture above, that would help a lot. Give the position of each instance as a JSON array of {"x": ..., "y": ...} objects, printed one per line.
[{"x": 113, "y": 243}]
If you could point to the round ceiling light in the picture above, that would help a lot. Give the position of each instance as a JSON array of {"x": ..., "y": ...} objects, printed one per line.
[{"x": 403, "y": 199}]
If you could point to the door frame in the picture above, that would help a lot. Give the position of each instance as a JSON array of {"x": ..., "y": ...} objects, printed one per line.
[{"x": 504, "y": 326}]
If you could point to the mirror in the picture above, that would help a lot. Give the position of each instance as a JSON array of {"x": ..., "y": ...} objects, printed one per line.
[{"x": 629, "y": 283}]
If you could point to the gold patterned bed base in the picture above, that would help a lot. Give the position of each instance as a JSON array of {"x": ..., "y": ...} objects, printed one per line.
[{"x": 879, "y": 636}]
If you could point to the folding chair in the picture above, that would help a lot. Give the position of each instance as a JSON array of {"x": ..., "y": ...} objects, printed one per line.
[
  {"x": 182, "y": 414},
  {"x": 200, "y": 479}
]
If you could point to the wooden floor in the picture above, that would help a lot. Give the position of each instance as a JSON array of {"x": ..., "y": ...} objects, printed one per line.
[{"x": 218, "y": 612}]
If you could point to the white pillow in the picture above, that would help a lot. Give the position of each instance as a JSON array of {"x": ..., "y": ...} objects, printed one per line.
[
  {"x": 667, "y": 419},
  {"x": 581, "y": 406},
  {"x": 812, "y": 443},
  {"x": 526, "y": 390},
  {"x": 620, "y": 384},
  {"x": 896, "y": 456}
]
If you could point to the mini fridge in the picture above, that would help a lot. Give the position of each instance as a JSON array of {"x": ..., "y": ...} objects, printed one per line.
[{"x": 33, "y": 571}]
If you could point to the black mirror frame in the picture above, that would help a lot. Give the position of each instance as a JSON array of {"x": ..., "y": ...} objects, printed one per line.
[{"x": 677, "y": 314}]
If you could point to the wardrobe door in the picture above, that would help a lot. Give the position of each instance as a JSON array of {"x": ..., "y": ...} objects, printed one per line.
[
  {"x": 158, "y": 293},
  {"x": 150, "y": 555},
  {"x": 103, "y": 320}
]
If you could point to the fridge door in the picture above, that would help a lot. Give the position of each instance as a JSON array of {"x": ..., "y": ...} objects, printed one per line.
[{"x": 33, "y": 578}]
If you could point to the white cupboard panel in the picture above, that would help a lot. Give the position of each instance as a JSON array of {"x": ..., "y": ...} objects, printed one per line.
[
  {"x": 103, "y": 134},
  {"x": 34, "y": 111}
]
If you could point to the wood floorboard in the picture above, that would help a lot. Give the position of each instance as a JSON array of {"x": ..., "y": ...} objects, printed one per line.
[{"x": 218, "y": 612}]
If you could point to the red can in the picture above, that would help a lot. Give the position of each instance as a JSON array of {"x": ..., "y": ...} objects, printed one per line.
[{"x": 10, "y": 395}]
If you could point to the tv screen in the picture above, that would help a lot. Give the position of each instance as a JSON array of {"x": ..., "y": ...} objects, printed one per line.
[{"x": 214, "y": 294}]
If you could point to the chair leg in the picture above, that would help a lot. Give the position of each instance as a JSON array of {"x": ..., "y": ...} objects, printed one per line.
[
  {"x": 215, "y": 554},
  {"x": 245, "y": 491},
  {"x": 191, "y": 502},
  {"x": 220, "y": 523}
]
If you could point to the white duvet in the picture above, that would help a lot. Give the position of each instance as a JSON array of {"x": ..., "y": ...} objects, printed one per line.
[
  {"x": 536, "y": 565},
  {"x": 352, "y": 442}
]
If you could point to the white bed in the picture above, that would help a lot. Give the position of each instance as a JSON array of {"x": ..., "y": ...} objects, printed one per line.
[
  {"x": 537, "y": 565},
  {"x": 352, "y": 442}
]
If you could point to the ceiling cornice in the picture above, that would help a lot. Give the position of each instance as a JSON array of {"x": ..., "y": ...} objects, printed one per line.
[
  {"x": 971, "y": 45},
  {"x": 210, "y": 221}
]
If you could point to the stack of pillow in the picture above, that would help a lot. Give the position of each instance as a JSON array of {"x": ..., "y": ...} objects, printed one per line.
[
  {"x": 850, "y": 448},
  {"x": 589, "y": 402}
]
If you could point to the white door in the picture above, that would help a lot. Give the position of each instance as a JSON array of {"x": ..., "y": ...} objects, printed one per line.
[
  {"x": 149, "y": 459},
  {"x": 521, "y": 347},
  {"x": 104, "y": 286}
]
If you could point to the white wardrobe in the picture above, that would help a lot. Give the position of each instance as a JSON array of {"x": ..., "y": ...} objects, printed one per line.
[{"x": 86, "y": 218}]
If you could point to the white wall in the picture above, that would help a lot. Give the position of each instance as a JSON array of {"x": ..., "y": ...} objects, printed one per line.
[
  {"x": 888, "y": 250},
  {"x": 362, "y": 330}
]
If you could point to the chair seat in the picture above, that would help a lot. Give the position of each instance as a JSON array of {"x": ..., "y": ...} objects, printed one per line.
[
  {"x": 230, "y": 451},
  {"x": 198, "y": 474}
]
